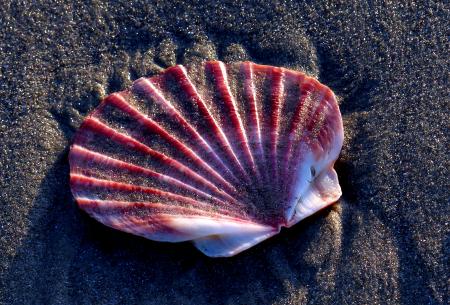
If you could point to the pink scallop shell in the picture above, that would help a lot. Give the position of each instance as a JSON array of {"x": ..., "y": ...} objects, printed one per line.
[{"x": 223, "y": 155}]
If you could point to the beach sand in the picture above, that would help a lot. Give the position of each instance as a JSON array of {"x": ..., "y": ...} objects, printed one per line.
[{"x": 385, "y": 242}]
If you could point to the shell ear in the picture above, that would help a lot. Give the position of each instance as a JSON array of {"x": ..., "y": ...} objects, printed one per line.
[
  {"x": 226, "y": 245},
  {"x": 323, "y": 191}
]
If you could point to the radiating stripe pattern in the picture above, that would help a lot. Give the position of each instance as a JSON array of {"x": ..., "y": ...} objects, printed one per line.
[{"x": 223, "y": 155}]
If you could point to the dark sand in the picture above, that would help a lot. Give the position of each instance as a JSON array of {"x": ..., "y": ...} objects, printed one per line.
[{"x": 386, "y": 241}]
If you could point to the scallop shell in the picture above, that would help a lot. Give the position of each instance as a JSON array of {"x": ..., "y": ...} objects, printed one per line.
[{"x": 222, "y": 155}]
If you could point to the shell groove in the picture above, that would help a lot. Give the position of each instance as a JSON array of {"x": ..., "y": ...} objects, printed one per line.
[{"x": 221, "y": 155}]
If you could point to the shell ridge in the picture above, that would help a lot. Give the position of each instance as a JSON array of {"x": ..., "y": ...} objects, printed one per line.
[
  {"x": 289, "y": 137},
  {"x": 257, "y": 89},
  {"x": 276, "y": 100},
  {"x": 314, "y": 120},
  {"x": 90, "y": 182},
  {"x": 154, "y": 94},
  {"x": 214, "y": 125},
  {"x": 221, "y": 83},
  {"x": 250, "y": 96},
  {"x": 78, "y": 152},
  {"x": 295, "y": 122},
  {"x": 135, "y": 144},
  {"x": 120, "y": 102},
  {"x": 158, "y": 208},
  {"x": 269, "y": 82}
]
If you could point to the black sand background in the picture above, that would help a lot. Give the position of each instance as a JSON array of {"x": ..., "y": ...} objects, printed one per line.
[{"x": 387, "y": 240}]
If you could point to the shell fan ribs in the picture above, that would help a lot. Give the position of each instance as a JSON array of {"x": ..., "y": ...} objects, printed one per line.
[{"x": 222, "y": 155}]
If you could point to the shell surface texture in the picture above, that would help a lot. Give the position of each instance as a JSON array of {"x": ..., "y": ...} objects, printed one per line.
[{"x": 222, "y": 155}]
